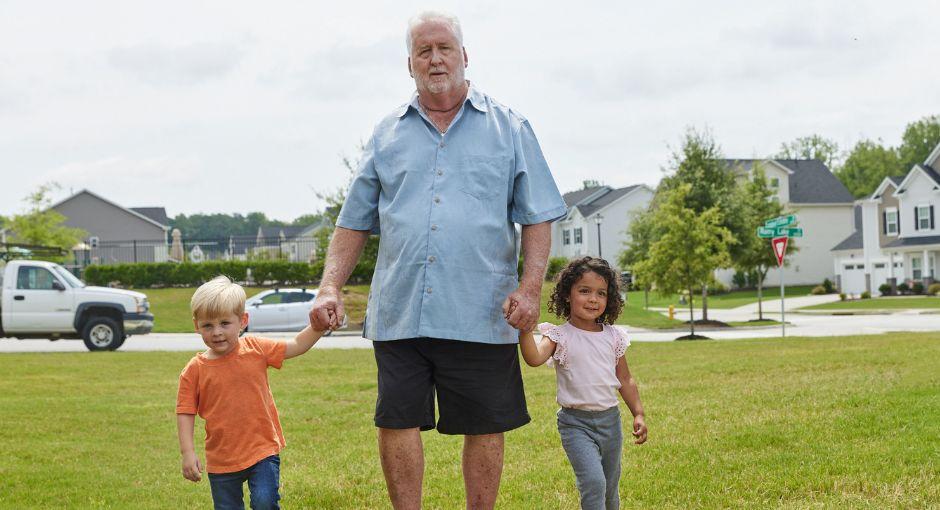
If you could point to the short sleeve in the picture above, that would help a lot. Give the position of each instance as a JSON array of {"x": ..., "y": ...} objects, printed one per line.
[
  {"x": 621, "y": 342},
  {"x": 535, "y": 197},
  {"x": 360, "y": 210},
  {"x": 555, "y": 334},
  {"x": 187, "y": 396},
  {"x": 273, "y": 351}
]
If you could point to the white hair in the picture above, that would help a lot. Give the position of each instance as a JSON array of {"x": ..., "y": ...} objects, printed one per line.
[{"x": 426, "y": 16}]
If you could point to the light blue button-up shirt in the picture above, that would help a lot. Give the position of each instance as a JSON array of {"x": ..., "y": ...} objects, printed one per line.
[{"x": 445, "y": 206}]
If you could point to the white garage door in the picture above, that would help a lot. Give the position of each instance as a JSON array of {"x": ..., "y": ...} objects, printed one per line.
[
  {"x": 879, "y": 275},
  {"x": 853, "y": 278}
]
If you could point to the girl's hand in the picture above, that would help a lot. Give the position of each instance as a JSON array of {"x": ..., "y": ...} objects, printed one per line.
[
  {"x": 192, "y": 469},
  {"x": 639, "y": 429}
]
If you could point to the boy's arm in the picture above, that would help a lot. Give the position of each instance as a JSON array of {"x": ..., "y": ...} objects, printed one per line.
[
  {"x": 302, "y": 342},
  {"x": 535, "y": 353},
  {"x": 630, "y": 393},
  {"x": 192, "y": 469}
]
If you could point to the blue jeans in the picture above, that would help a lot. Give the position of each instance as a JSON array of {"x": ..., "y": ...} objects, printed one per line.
[
  {"x": 263, "y": 481},
  {"x": 593, "y": 441}
]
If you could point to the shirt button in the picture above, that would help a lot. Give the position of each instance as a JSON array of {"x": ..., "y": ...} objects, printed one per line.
[
  {"x": 441, "y": 145},
  {"x": 437, "y": 200},
  {"x": 440, "y": 172},
  {"x": 430, "y": 290},
  {"x": 431, "y": 259},
  {"x": 433, "y": 227}
]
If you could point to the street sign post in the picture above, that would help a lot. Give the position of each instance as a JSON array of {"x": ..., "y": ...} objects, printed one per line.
[
  {"x": 779, "y": 244},
  {"x": 779, "y": 231}
]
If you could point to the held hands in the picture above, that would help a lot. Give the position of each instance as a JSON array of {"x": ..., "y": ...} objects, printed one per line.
[
  {"x": 192, "y": 468},
  {"x": 639, "y": 429},
  {"x": 521, "y": 308},
  {"x": 327, "y": 311}
]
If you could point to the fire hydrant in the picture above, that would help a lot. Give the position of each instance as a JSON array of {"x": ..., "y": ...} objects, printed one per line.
[{"x": 672, "y": 312}]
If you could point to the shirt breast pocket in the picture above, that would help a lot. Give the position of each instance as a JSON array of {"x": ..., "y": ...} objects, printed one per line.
[{"x": 484, "y": 177}]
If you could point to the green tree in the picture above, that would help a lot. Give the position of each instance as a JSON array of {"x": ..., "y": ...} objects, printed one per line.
[
  {"x": 811, "y": 147},
  {"x": 41, "y": 225},
  {"x": 754, "y": 203},
  {"x": 919, "y": 139},
  {"x": 691, "y": 246},
  {"x": 641, "y": 235},
  {"x": 867, "y": 164},
  {"x": 700, "y": 164}
]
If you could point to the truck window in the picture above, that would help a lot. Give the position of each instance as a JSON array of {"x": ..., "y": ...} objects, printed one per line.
[{"x": 34, "y": 278}]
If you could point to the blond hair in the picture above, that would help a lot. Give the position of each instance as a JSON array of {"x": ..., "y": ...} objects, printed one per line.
[{"x": 218, "y": 297}]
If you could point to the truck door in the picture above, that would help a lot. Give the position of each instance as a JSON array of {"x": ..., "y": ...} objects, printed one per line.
[{"x": 36, "y": 305}]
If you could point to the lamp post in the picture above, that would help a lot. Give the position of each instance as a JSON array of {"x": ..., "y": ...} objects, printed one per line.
[{"x": 598, "y": 219}]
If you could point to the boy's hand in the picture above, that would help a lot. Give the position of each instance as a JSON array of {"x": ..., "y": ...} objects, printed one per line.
[
  {"x": 639, "y": 429},
  {"x": 192, "y": 469}
]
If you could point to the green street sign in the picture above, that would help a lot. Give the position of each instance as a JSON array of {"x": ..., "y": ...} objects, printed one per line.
[
  {"x": 766, "y": 233},
  {"x": 790, "y": 232},
  {"x": 780, "y": 221}
]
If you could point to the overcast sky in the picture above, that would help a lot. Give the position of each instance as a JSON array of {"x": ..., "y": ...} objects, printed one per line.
[{"x": 243, "y": 106}]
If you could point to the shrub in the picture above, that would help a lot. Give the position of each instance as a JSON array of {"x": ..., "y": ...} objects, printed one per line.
[
  {"x": 168, "y": 274},
  {"x": 934, "y": 289},
  {"x": 885, "y": 289},
  {"x": 817, "y": 290},
  {"x": 866, "y": 295},
  {"x": 903, "y": 288},
  {"x": 739, "y": 279},
  {"x": 917, "y": 288},
  {"x": 555, "y": 265},
  {"x": 827, "y": 285},
  {"x": 842, "y": 296}
]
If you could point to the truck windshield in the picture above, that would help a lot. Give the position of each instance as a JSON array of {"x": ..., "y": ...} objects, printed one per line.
[{"x": 69, "y": 277}]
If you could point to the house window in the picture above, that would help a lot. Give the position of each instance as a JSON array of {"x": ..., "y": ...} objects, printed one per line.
[
  {"x": 577, "y": 235},
  {"x": 880, "y": 265},
  {"x": 923, "y": 217},
  {"x": 566, "y": 237},
  {"x": 891, "y": 221},
  {"x": 915, "y": 268},
  {"x": 774, "y": 182}
]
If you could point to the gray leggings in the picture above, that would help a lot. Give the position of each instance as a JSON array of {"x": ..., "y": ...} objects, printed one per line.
[{"x": 593, "y": 441}]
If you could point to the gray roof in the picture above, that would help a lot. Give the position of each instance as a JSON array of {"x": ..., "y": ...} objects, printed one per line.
[
  {"x": 853, "y": 242},
  {"x": 810, "y": 183},
  {"x": 157, "y": 214},
  {"x": 896, "y": 179},
  {"x": 576, "y": 199},
  {"x": 913, "y": 241},
  {"x": 273, "y": 232}
]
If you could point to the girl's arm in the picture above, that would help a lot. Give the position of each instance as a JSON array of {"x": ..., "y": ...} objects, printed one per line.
[
  {"x": 302, "y": 342},
  {"x": 535, "y": 353},
  {"x": 185, "y": 423},
  {"x": 631, "y": 396}
]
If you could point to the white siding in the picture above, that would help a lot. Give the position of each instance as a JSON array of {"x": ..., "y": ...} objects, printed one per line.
[{"x": 919, "y": 191}]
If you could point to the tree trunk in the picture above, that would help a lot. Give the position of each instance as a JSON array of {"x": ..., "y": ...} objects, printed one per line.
[
  {"x": 704, "y": 302},
  {"x": 691, "y": 313},
  {"x": 760, "y": 293}
]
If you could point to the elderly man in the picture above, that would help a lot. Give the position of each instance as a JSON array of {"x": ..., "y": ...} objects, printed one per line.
[{"x": 444, "y": 178}]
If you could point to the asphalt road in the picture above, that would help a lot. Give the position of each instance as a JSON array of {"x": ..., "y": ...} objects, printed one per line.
[{"x": 799, "y": 325}]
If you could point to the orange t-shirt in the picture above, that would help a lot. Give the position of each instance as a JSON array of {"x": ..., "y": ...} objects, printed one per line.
[{"x": 232, "y": 395}]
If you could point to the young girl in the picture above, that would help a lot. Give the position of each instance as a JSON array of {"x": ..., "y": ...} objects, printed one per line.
[{"x": 589, "y": 367}]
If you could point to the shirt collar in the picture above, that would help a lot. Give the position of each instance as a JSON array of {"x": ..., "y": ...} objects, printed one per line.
[{"x": 476, "y": 98}]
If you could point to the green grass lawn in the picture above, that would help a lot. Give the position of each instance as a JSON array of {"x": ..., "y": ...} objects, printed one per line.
[
  {"x": 796, "y": 423},
  {"x": 885, "y": 303},
  {"x": 731, "y": 299}
]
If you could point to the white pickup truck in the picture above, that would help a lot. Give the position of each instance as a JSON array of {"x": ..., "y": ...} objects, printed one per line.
[{"x": 44, "y": 300}]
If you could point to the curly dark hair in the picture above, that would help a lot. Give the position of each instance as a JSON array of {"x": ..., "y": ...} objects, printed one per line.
[{"x": 559, "y": 304}]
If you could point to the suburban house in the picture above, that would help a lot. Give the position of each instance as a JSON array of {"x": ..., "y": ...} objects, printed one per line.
[
  {"x": 294, "y": 243},
  {"x": 598, "y": 220},
  {"x": 897, "y": 238},
  {"x": 116, "y": 233},
  {"x": 823, "y": 208}
]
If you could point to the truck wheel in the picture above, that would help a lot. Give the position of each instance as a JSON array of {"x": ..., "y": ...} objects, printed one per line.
[{"x": 102, "y": 334}]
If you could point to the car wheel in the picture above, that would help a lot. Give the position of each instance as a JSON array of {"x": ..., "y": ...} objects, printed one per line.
[
  {"x": 328, "y": 332},
  {"x": 102, "y": 334}
]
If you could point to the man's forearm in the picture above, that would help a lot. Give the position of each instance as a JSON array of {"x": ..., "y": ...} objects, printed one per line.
[
  {"x": 536, "y": 244},
  {"x": 341, "y": 258}
]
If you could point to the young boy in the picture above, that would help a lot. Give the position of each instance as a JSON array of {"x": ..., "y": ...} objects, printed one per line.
[{"x": 227, "y": 385}]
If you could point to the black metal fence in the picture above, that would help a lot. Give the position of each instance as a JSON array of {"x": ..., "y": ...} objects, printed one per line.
[{"x": 298, "y": 249}]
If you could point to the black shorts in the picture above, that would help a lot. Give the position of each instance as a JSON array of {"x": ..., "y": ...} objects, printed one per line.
[{"x": 479, "y": 386}]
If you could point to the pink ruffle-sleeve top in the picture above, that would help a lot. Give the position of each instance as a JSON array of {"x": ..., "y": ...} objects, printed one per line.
[{"x": 585, "y": 365}]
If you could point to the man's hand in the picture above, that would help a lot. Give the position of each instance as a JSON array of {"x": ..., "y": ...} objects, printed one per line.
[
  {"x": 327, "y": 311},
  {"x": 192, "y": 469},
  {"x": 639, "y": 429},
  {"x": 522, "y": 308}
]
